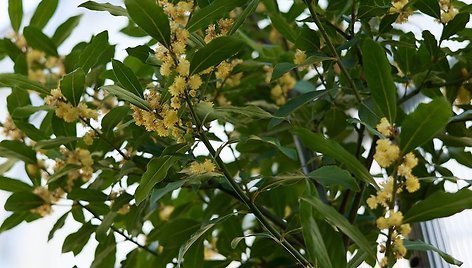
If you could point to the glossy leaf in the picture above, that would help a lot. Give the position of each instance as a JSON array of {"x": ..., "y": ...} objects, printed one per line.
[
  {"x": 112, "y": 9},
  {"x": 205, "y": 16},
  {"x": 424, "y": 123},
  {"x": 422, "y": 246},
  {"x": 151, "y": 18},
  {"x": 156, "y": 171},
  {"x": 90, "y": 195},
  {"x": 319, "y": 143},
  {"x": 73, "y": 86},
  {"x": 379, "y": 78},
  {"x": 127, "y": 96},
  {"x": 38, "y": 40},
  {"x": 127, "y": 78},
  {"x": 113, "y": 118},
  {"x": 439, "y": 204},
  {"x": 218, "y": 50},
  {"x": 105, "y": 254},
  {"x": 27, "y": 110},
  {"x": 15, "y": 12},
  {"x": 53, "y": 143},
  {"x": 43, "y": 13},
  {"x": 157, "y": 194},
  {"x": 334, "y": 176}
]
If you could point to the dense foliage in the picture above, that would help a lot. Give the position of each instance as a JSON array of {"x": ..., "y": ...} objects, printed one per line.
[{"x": 329, "y": 157}]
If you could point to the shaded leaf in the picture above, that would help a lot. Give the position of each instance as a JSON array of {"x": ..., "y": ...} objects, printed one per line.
[
  {"x": 54, "y": 143},
  {"x": 13, "y": 220},
  {"x": 58, "y": 225},
  {"x": 21, "y": 81},
  {"x": 90, "y": 195},
  {"x": 73, "y": 86},
  {"x": 250, "y": 8},
  {"x": 205, "y": 16},
  {"x": 157, "y": 194},
  {"x": 92, "y": 53},
  {"x": 127, "y": 78},
  {"x": 38, "y": 40},
  {"x": 334, "y": 176},
  {"x": 13, "y": 185},
  {"x": 458, "y": 23},
  {"x": 429, "y": 7},
  {"x": 17, "y": 150}
]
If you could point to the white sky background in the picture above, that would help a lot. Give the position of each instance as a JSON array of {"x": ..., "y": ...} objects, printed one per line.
[{"x": 26, "y": 245}]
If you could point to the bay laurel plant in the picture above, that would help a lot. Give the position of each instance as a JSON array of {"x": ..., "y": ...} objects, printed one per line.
[{"x": 260, "y": 133}]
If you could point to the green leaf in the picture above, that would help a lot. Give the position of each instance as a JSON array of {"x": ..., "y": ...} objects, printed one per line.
[
  {"x": 73, "y": 86},
  {"x": 105, "y": 254},
  {"x": 23, "y": 201},
  {"x": 113, "y": 118},
  {"x": 458, "y": 23},
  {"x": 58, "y": 225},
  {"x": 198, "y": 234},
  {"x": 439, "y": 204},
  {"x": 294, "y": 104},
  {"x": 151, "y": 18},
  {"x": 333, "y": 217},
  {"x": 27, "y": 110},
  {"x": 157, "y": 194},
  {"x": 13, "y": 185},
  {"x": 53, "y": 143},
  {"x": 21, "y": 81},
  {"x": 424, "y": 123},
  {"x": 250, "y": 8},
  {"x": 283, "y": 27},
  {"x": 205, "y": 16},
  {"x": 319, "y": 143},
  {"x": 36, "y": 39},
  {"x": 127, "y": 78},
  {"x": 92, "y": 53},
  {"x": 313, "y": 237},
  {"x": 18, "y": 98},
  {"x": 379, "y": 78},
  {"x": 65, "y": 29},
  {"x": 17, "y": 150},
  {"x": 15, "y": 11},
  {"x": 127, "y": 96},
  {"x": 334, "y": 176},
  {"x": 89, "y": 195},
  {"x": 13, "y": 220},
  {"x": 43, "y": 13},
  {"x": 112, "y": 9},
  {"x": 75, "y": 242},
  {"x": 7, "y": 165},
  {"x": 174, "y": 233},
  {"x": 104, "y": 226},
  {"x": 282, "y": 68},
  {"x": 156, "y": 171},
  {"x": 218, "y": 50},
  {"x": 289, "y": 152},
  {"x": 422, "y": 246},
  {"x": 429, "y": 7}
]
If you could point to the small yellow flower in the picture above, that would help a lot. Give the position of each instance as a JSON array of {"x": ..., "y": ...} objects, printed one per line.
[
  {"x": 372, "y": 202},
  {"x": 412, "y": 184},
  {"x": 183, "y": 67},
  {"x": 395, "y": 218},
  {"x": 382, "y": 223},
  {"x": 300, "y": 57},
  {"x": 384, "y": 127},
  {"x": 405, "y": 229},
  {"x": 386, "y": 153},
  {"x": 194, "y": 82}
]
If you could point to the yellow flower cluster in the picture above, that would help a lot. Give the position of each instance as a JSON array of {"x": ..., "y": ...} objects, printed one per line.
[
  {"x": 213, "y": 32},
  {"x": 88, "y": 137},
  {"x": 386, "y": 153},
  {"x": 197, "y": 168},
  {"x": 448, "y": 12},
  {"x": 404, "y": 169},
  {"x": 49, "y": 198},
  {"x": 384, "y": 127},
  {"x": 300, "y": 57},
  {"x": 10, "y": 130},
  {"x": 80, "y": 157},
  {"x": 38, "y": 63},
  {"x": 400, "y": 7},
  {"x": 66, "y": 110},
  {"x": 283, "y": 85}
]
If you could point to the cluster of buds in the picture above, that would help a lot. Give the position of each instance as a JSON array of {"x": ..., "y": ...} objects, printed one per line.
[
  {"x": 283, "y": 85},
  {"x": 66, "y": 110},
  {"x": 197, "y": 168},
  {"x": 10, "y": 130},
  {"x": 448, "y": 12},
  {"x": 402, "y": 9},
  {"x": 49, "y": 199},
  {"x": 80, "y": 157}
]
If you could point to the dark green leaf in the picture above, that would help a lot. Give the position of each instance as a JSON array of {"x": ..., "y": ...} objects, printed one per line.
[
  {"x": 89, "y": 195},
  {"x": 17, "y": 99},
  {"x": 22, "y": 201},
  {"x": 332, "y": 216},
  {"x": 105, "y": 254},
  {"x": 307, "y": 39},
  {"x": 455, "y": 25},
  {"x": 151, "y": 18},
  {"x": 294, "y": 104},
  {"x": 58, "y": 225},
  {"x": 218, "y": 50},
  {"x": 319, "y": 143},
  {"x": 140, "y": 52},
  {"x": 13, "y": 220},
  {"x": 112, "y": 9},
  {"x": 127, "y": 96},
  {"x": 379, "y": 78},
  {"x": 283, "y": 27},
  {"x": 251, "y": 7},
  {"x": 21, "y": 65},
  {"x": 156, "y": 171},
  {"x": 104, "y": 226},
  {"x": 21, "y": 81},
  {"x": 62, "y": 128},
  {"x": 334, "y": 176},
  {"x": 429, "y": 7},
  {"x": 43, "y": 13},
  {"x": 113, "y": 118},
  {"x": 65, "y": 29},
  {"x": 157, "y": 194},
  {"x": 73, "y": 86},
  {"x": 75, "y": 242},
  {"x": 27, "y": 110},
  {"x": 53, "y": 143},
  {"x": 424, "y": 123},
  {"x": 17, "y": 150},
  {"x": 36, "y": 39},
  {"x": 422, "y": 246},
  {"x": 127, "y": 78},
  {"x": 176, "y": 232},
  {"x": 9, "y": 48},
  {"x": 13, "y": 185},
  {"x": 289, "y": 152},
  {"x": 92, "y": 53},
  {"x": 205, "y": 16},
  {"x": 439, "y": 204},
  {"x": 15, "y": 11},
  {"x": 282, "y": 68}
]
